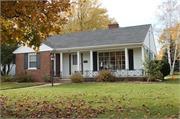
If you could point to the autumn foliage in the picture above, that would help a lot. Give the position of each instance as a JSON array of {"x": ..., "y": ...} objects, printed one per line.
[
  {"x": 105, "y": 76},
  {"x": 31, "y": 21},
  {"x": 87, "y": 15}
]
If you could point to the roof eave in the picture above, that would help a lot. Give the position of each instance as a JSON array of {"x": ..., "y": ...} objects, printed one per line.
[{"x": 92, "y": 47}]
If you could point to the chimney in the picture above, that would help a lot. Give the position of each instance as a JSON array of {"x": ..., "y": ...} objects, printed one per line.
[{"x": 111, "y": 26}]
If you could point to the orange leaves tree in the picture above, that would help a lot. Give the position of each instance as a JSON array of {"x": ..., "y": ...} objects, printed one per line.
[{"x": 31, "y": 21}]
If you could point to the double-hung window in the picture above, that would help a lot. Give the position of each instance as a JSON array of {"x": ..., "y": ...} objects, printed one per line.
[{"x": 32, "y": 61}]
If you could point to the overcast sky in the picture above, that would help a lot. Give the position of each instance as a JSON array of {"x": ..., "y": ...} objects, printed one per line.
[{"x": 131, "y": 12}]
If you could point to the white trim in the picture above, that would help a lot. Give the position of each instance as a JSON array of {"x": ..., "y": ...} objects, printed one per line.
[
  {"x": 29, "y": 54},
  {"x": 126, "y": 58},
  {"x": 54, "y": 64},
  {"x": 91, "y": 60},
  {"x": 61, "y": 64},
  {"x": 78, "y": 61},
  {"x": 99, "y": 46},
  {"x": 109, "y": 55},
  {"x": 25, "y": 49},
  {"x": 99, "y": 49}
]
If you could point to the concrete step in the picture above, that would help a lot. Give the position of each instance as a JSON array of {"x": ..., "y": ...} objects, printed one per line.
[{"x": 66, "y": 80}]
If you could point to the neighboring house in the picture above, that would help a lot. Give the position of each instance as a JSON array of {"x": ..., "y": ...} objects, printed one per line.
[{"x": 118, "y": 49}]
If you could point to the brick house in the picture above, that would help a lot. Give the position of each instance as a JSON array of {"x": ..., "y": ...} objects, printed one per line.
[{"x": 118, "y": 49}]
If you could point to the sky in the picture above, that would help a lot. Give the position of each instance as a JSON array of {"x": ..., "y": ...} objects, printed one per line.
[{"x": 133, "y": 12}]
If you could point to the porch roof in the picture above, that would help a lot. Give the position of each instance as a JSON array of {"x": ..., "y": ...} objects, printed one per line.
[{"x": 122, "y": 35}]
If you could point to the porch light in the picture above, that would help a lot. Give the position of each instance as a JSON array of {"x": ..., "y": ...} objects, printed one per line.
[{"x": 52, "y": 58}]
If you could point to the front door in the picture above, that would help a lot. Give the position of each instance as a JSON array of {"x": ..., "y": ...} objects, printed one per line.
[{"x": 66, "y": 65}]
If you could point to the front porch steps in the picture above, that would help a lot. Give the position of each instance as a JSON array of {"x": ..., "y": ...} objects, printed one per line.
[{"x": 63, "y": 80}]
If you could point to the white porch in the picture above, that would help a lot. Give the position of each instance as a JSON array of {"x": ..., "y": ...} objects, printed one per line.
[{"x": 92, "y": 61}]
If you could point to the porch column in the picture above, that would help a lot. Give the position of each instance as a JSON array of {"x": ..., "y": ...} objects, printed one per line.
[
  {"x": 61, "y": 64},
  {"x": 77, "y": 60},
  {"x": 126, "y": 58},
  {"x": 142, "y": 51},
  {"x": 91, "y": 62}
]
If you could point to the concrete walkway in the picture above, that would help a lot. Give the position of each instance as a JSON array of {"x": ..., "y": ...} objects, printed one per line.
[{"x": 48, "y": 84}]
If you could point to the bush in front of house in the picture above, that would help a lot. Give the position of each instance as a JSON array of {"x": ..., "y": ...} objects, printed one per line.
[
  {"x": 46, "y": 78},
  {"x": 159, "y": 75},
  {"x": 24, "y": 77},
  {"x": 6, "y": 78},
  {"x": 165, "y": 69},
  {"x": 105, "y": 76},
  {"x": 77, "y": 78}
]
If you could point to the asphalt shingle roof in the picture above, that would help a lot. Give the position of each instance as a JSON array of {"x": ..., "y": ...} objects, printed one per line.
[{"x": 122, "y": 35}]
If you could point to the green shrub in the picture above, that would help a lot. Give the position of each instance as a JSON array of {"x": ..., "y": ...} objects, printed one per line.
[
  {"x": 105, "y": 76},
  {"x": 46, "y": 78},
  {"x": 77, "y": 78},
  {"x": 159, "y": 75},
  {"x": 6, "y": 78},
  {"x": 24, "y": 77},
  {"x": 165, "y": 69}
]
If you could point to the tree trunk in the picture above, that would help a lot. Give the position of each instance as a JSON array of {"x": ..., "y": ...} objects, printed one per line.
[
  {"x": 4, "y": 70},
  {"x": 9, "y": 69},
  {"x": 168, "y": 49},
  {"x": 149, "y": 78}
]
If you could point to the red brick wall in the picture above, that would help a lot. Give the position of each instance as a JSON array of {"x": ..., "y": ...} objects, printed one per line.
[
  {"x": 37, "y": 73},
  {"x": 111, "y": 26}
]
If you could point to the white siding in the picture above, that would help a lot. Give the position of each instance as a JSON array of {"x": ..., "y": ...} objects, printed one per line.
[
  {"x": 137, "y": 58},
  {"x": 86, "y": 66},
  {"x": 152, "y": 41},
  {"x": 65, "y": 65},
  {"x": 86, "y": 56}
]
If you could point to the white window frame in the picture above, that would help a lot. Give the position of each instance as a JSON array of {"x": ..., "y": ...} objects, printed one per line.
[
  {"x": 115, "y": 57},
  {"x": 29, "y": 61}
]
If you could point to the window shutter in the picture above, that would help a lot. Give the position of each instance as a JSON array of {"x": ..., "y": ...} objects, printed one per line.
[
  {"x": 25, "y": 61},
  {"x": 94, "y": 61},
  {"x": 38, "y": 60},
  {"x": 131, "y": 59},
  {"x": 69, "y": 64}
]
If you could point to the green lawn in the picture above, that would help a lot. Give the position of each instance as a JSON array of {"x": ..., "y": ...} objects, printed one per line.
[
  {"x": 16, "y": 85},
  {"x": 94, "y": 100}
]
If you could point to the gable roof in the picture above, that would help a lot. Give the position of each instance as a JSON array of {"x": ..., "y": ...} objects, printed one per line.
[{"x": 123, "y": 35}]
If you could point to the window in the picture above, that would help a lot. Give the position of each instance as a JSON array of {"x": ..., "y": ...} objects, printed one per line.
[
  {"x": 112, "y": 60},
  {"x": 74, "y": 59},
  {"x": 32, "y": 60}
]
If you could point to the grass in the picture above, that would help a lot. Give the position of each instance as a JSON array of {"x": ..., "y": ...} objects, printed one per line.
[
  {"x": 94, "y": 100},
  {"x": 176, "y": 76},
  {"x": 16, "y": 85}
]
